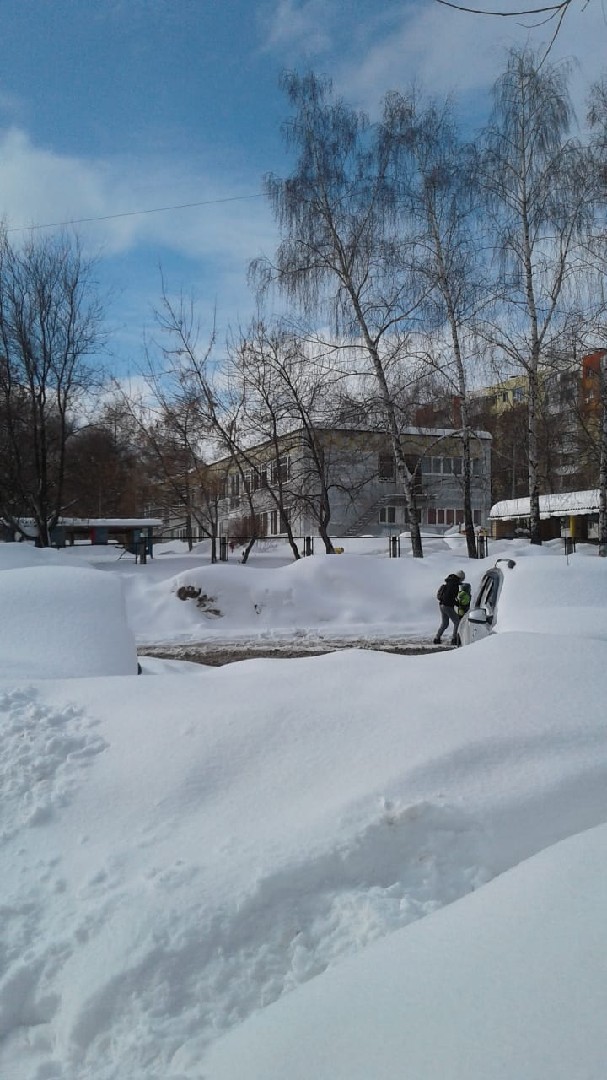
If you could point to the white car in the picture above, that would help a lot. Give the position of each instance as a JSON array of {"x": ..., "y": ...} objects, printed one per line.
[{"x": 480, "y": 620}]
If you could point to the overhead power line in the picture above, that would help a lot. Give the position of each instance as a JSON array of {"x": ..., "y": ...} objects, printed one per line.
[
  {"x": 132, "y": 213},
  {"x": 554, "y": 8}
]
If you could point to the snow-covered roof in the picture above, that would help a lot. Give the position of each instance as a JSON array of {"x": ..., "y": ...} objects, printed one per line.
[
  {"x": 113, "y": 523},
  {"x": 103, "y": 523},
  {"x": 566, "y": 502}
]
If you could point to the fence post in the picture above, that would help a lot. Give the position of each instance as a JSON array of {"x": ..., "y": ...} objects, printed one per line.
[{"x": 223, "y": 549}]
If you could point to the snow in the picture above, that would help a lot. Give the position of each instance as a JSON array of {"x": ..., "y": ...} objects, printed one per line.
[
  {"x": 446, "y": 997},
  {"x": 557, "y": 504},
  {"x": 346, "y": 865},
  {"x": 63, "y": 621}
]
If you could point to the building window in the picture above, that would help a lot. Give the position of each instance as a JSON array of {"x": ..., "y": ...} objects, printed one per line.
[
  {"x": 280, "y": 470},
  {"x": 387, "y": 515},
  {"x": 234, "y": 489},
  {"x": 441, "y": 515},
  {"x": 386, "y": 467},
  {"x": 278, "y": 520},
  {"x": 443, "y": 466},
  {"x": 259, "y": 478}
]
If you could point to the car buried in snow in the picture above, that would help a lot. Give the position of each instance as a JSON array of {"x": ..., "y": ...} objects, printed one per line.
[
  {"x": 481, "y": 618},
  {"x": 63, "y": 622}
]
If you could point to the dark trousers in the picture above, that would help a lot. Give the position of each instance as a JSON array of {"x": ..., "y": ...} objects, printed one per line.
[{"x": 448, "y": 614}]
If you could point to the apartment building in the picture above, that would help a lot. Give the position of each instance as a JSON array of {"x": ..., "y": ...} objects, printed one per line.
[{"x": 353, "y": 474}]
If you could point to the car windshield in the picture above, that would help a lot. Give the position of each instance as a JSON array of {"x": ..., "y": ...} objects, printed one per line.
[{"x": 487, "y": 594}]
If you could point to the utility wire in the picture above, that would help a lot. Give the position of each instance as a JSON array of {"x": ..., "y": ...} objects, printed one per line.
[
  {"x": 131, "y": 213},
  {"x": 561, "y": 5}
]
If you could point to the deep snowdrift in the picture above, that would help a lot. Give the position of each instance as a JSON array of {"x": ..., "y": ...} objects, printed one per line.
[{"x": 178, "y": 853}]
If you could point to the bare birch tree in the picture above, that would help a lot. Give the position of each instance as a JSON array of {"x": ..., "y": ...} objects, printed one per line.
[
  {"x": 433, "y": 191},
  {"x": 218, "y": 395},
  {"x": 337, "y": 253},
  {"x": 538, "y": 192},
  {"x": 597, "y": 116},
  {"x": 292, "y": 386}
]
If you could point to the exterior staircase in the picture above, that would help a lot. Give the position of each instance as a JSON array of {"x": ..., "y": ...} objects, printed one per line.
[{"x": 371, "y": 513}]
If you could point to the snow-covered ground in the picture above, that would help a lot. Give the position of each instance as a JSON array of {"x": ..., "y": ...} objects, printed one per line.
[{"x": 356, "y": 865}]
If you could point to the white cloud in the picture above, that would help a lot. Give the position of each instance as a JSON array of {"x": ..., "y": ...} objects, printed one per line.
[
  {"x": 38, "y": 186},
  {"x": 443, "y": 50},
  {"x": 300, "y": 27},
  {"x": 205, "y": 248}
]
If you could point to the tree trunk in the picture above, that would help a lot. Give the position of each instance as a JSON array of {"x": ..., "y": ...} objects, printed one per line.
[
  {"x": 247, "y": 550},
  {"x": 603, "y": 460},
  {"x": 401, "y": 465},
  {"x": 535, "y": 535}
]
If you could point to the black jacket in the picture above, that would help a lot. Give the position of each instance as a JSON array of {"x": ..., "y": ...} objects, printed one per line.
[{"x": 450, "y": 590}]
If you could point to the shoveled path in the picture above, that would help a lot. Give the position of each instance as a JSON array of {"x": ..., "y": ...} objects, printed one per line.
[{"x": 215, "y": 654}]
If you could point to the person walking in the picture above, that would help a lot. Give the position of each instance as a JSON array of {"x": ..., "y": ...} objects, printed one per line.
[{"x": 447, "y": 599}]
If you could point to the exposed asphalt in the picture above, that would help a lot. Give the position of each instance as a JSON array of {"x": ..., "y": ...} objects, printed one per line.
[{"x": 216, "y": 654}]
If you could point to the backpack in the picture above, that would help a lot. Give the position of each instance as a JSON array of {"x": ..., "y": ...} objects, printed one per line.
[
  {"x": 463, "y": 601},
  {"x": 441, "y": 592}
]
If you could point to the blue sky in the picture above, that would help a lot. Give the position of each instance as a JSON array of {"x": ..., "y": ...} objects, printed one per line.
[{"x": 111, "y": 106}]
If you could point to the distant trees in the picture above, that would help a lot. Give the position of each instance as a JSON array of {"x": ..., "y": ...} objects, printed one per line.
[
  {"x": 50, "y": 327},
  {"x": 181, "y": 417}
]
